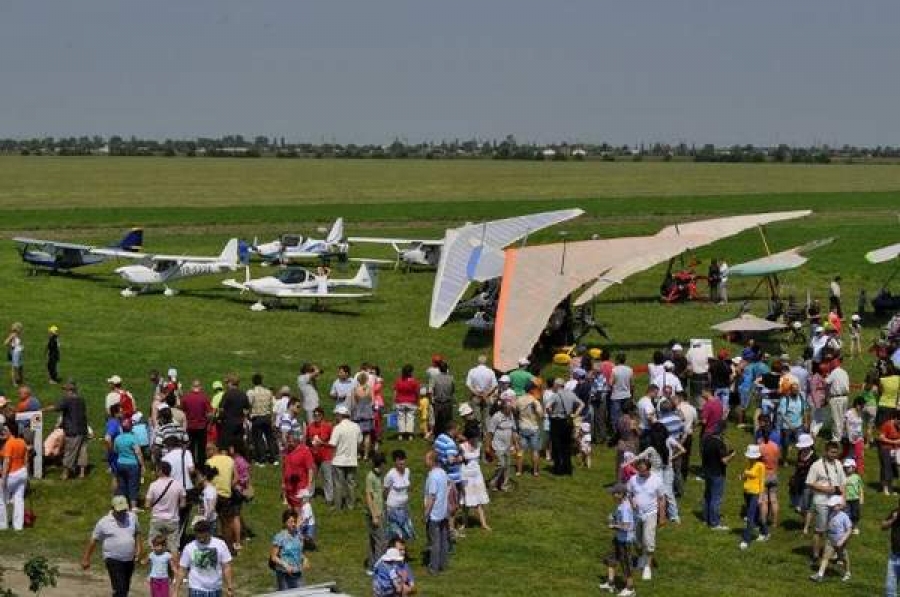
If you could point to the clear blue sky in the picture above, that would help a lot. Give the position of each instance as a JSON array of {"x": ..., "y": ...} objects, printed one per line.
[{"x": 765, "y": 72}]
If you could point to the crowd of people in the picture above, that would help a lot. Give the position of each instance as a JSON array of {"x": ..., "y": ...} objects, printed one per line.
[{"x": 483, "y": 433}]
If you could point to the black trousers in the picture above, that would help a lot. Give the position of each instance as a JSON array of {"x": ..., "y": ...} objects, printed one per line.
[
  {"x": 120, "y": 574},
  {"x": 197, "y": 439},
  {"x": 443, "y": 414},
  {"x": 52, "y": 369},
  {"x": 561, "y": 445},
  {"x": 263, "y": 440}
]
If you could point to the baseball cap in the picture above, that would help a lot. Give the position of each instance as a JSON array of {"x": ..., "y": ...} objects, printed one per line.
[
  {"x": 849, "y": 462},
  {"x": 465, "y": 410},
  {"x": 119, "y": 503},
  {"x": 115, "y": 380},
  {"x": 523, "y": 362},
  {"x": 218, "y": 385},
  {"x": 508, "y": 395},
  {"x": 677, "y": 347},
  {"x": 855, "y": 317},
  {"x": 392, "y": 555},
  {"x": 53, "y": 329},
  {"x": 172, "y": 373},
  {"x": 805, "y": 441},
  {"x": 340, "y": 409},
  {"x": 504, "y": 378},
  {"x": 835, "y": 500}
]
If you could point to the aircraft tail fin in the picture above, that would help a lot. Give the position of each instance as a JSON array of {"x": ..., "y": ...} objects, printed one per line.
[
  {"x": 365, "y": 277},
  {"x": 133, "y": 241},
  {"x": 336, "y": 234},
  {"x": 229, "y": 254}
]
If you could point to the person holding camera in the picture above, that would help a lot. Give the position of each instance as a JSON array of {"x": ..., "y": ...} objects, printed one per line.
[{"x": 826, "y": 478}]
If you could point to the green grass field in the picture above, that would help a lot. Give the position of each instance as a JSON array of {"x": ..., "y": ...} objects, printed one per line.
[{"x": 549, "y": 532}]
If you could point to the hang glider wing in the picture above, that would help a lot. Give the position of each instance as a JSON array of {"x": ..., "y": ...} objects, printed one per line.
[
  {"x": 883, "y": 254},
  {"x": 778, "y": 262},
  {"x": 536, "y": 279},
  {"x": 717, "y": 228},
  {"x": 474, "y": 252}
]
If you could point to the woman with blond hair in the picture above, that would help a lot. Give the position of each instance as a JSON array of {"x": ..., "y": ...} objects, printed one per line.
[{"x": 15, "y": 350}]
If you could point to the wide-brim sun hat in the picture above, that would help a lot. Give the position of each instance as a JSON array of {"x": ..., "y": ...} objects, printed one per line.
[
  {"x": 805, "y": 441},
  {"x": 752, "y": 451},
  {"x": 465, "y": 410}
]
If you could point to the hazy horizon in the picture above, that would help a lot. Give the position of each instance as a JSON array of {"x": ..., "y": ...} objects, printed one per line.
[{"x": 763, "y": 73}]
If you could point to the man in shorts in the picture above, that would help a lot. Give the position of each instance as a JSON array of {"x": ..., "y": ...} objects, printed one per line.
[
  {"x": 645, "y": 490},
  {"x": 530, "y": 415},
  {"x": 825, "y": 478}
]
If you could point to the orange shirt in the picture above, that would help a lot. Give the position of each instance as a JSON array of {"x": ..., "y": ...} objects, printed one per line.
[
  {"x": 770, "y": 453},
  {"x": 15, "y": 451}
]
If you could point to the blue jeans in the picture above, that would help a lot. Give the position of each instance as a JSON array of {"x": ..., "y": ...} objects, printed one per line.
[
  {"x": 752, "y": 502},
  {"x": 668, "y": 479},
  {"x": 788, "y": 439},
  {"x": 285, "y": 581},
  {"x": 615, "y": 412},
  {"x": 129, "y": 476},
  {"x": 712, "y": 500},
  {"x": 893, "y": 572}
]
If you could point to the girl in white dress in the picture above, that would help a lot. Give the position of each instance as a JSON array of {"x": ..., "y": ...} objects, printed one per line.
[{"x": 475, "y": 493}]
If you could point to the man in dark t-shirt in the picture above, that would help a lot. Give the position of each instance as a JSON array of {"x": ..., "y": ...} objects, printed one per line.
[
  {"x": 233, "y": 410},
  {"x": 75, "y": 427},
  {"x": 714, "y": 456}
]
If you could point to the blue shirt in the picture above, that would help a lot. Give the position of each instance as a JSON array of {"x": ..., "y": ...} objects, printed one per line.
[
  {"x": 838, "y": 524},
  {"x": 751, "y": 372},
  {"x": 447, "y": 450},
  {"x": 125, "y": 444},
  {"x": 436, "y": 487},
  {"x": 624, "y": 515},
  {"x": 790, "y": 411},
  {"x": 141, "y": 434},
  {"x": 290, "y": 548}
]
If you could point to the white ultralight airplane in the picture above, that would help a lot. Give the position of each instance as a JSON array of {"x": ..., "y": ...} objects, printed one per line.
[
  {"x": 303, "y": 284},
  {"x": 410, "y": 252},
  {"x": 156, "y": 270},
  {"x": 296, "y": 247}
]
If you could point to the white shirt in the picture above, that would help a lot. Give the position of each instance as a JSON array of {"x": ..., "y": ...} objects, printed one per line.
[
  {"x": 345, "y": 438},
  {"x": 306, "y": 515},
  {"x": 667, "y": 378},
  {"x": 838, "y": 382},
  {"x": 645, "y": 494},
  {"x": 398, "y": 488},
  {"x": 723, "y": 272},
  {"x": 698, "y": 360},
  {"x": 622, "y": 378},
  {"x": 308, "y": 391},
  {"x": 646, "y": 411},
  {"x": 112, "y": 398},
  {"x": 689, "y": 414},
  {"x": 481, "y": 379},
  {"x": 835, "y": 289},
  {"x": 173, "y": 457},
  {"x": 341, "y": 391},
  {"x": 205, "y": 569}
]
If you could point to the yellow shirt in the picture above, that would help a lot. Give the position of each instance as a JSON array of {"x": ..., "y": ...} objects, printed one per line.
[
  {"x": 890, "y": 391},
  {"x": 754, "y": 476},
  {"x": 223, "y": 481}
]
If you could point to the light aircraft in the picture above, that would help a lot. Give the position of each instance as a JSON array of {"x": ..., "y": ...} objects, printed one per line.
[
  {"x": 303, "y": 284},
  {"x": 885, "y": 302},
  {"x": 162, "y": 269},
  {"x": 410, "y": 252},
  {"x": 57, "y": 256},
  {"x": 296, "y": 247}
]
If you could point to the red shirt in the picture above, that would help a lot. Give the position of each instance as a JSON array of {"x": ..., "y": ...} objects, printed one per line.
[
  {"x": 890, "y": 431},
  {"x": 295, "y": 474},
  {"x": 406, "y": 391},
  {"x": 126, "y": 403},
  {"x": 323, "y": 453},
  {"x": 196, "y": 406},
  {"x": 711, "y": 415}
]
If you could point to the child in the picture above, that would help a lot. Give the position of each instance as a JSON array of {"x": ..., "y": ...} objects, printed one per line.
[
  {"x": 307, "y": 522},
  {"x": 754, "y": 476},
  {"x": 855, "y": 335},
  {"x": 853, "y": 491},
  {"x": 160, "y": 567},
  {"x": 388, "y": 580},
  {"x": 839, "y": 530},
  {"x": 584, "y": 444},
  {"x": 627, "y": 471},
  {"x": 622, "y": 522},
  {"x": 426, "y": 416}
]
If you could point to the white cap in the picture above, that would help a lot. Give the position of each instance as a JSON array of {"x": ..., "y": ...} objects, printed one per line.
[
  {"x": 508, "y": 395},
  {"x": 835, "y": 500},
  {"x": 115, "y": 380},
  {"x": 423, "y": 391},
  {"x": 137, "y": 418},
  {"x": 504, "y": 378},
  {"x": 736, "y": 360},
  {"x": 753, "y": 451},
  {"x": 523, "y": 362},
  {"x": 341, "y": 409},
  {"x": 849, "y": 462},
  {"x": 668, "y": 365},
  {"x": 586, "y": 427},
  {"x": 796, "y": 325},
  {"x": 465, "y": 410},
  {"x": 392, "y": 555},
  {"x": 805, "y": 441},
  {"x": 855, "y": 317},
  {"x": 677, "y": 347},
  {"x": 819, "y": 329},
  {"x": 172, "y": 373}
]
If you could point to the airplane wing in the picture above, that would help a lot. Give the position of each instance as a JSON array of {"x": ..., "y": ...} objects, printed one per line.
[
  {"x": 536, "y": 279},
  {"x": 474, "y": 252},
  {"x": 311, "y": 294},
  {"x": 720, "y": 227},
  {"x": 109, "y": 252},
  {"x": 33, "y": 241},
  {"x": 183, "y": 258},
  {"x": 376, "y": 240},
  {"x": 883, "y": 254}
]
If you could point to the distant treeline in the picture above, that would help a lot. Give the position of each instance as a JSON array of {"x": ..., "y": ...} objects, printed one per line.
[{"x": 506, "y": 149}]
